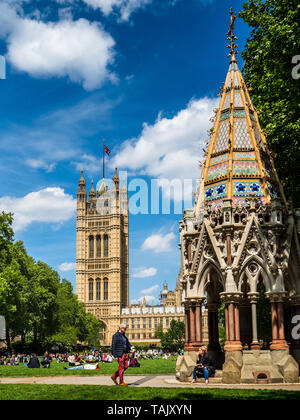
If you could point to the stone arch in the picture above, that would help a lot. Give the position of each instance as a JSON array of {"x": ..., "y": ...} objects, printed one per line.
[
  {"x": 262, "y": 271},
  {"x": 203, "y": 277}
]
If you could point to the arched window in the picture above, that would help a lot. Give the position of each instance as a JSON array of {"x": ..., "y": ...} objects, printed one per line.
[
  {"x": 91, "y": 246},
  {"x": 98, "y": 240},
  {"x": 98, "y": 289},
  {"x": 105, "y": 246},
  {"x": 91, "y": 289},
  {"x": 105, "y": 289}
]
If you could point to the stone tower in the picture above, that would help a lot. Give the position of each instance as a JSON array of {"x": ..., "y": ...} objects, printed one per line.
[
  {"x": 102, "y": 257},
  {"x": 240, "y": 242}
]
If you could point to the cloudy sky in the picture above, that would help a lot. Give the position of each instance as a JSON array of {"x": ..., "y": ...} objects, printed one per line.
[{"x": 145, "y": 75}]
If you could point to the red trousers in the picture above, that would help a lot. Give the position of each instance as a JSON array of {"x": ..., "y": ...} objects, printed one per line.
[{"x": 123, "y": 365}]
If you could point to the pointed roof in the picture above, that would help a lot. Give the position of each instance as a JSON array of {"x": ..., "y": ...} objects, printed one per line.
[
  {"x": 238, "y": 164},
  {"x": 81, "y": 182},
  {"x": 116, "y": 178},
  {"x": 92, "y": 193}
]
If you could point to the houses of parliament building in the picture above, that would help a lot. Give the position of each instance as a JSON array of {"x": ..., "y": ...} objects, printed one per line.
[{"x": 102, "y": 266}]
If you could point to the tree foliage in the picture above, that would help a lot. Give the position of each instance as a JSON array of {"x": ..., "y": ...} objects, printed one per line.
[
  {"x": 268, "y": 55},
  {"x": 36, "y": 303},
  {"x": 174, "y": 338}
]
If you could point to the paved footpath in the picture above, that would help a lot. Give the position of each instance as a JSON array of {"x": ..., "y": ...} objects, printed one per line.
[{"x": 152, "y": 381}]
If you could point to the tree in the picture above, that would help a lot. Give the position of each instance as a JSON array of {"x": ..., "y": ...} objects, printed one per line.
[
  {"x": 6, "y": 237},
  {"x": 36, "y": 303},
  {"x": 268, "y": 55},
  {"x": 74, "y": 324},
  {"x": 159, "y": 332},
  {"x": 174, "y": 338},
  {"x": 15, "y": 291}
]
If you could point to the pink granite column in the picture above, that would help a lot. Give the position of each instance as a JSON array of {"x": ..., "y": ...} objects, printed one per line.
[
  {"x": 198, "y": 323},
  {"x": 278, "y": 336},
  {"x": 233, "y": 342}
]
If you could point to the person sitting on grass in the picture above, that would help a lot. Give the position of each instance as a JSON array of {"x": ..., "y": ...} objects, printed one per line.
[
  {"x": 13, "y": 361},
  {"x": 84, "y": 367},
  {"x": 34, "y": 362},
  {"x": 133, "y": 361},
  {"x": 71, "y": 360},
  {"x": 78, "y": 360},
  {"x": 47, "y": 359},
  {"x": 204, "y": 366},
  {"x": 109, "y": 358}
]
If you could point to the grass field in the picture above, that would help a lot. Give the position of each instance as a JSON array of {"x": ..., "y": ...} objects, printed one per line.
[
  {"x": 87, "y": 392},
  {"x": 154, "y": 367}
]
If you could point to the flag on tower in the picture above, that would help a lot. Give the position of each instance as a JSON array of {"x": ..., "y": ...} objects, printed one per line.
[{"x": 106, "y": 150}]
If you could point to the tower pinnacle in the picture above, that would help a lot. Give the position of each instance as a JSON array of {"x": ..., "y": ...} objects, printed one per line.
[{"x": 231, "y": 37}]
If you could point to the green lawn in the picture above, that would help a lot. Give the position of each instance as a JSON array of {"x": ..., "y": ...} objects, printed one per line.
[
  {"x": 87, "y": 392},
  {"x": 147, "y": 367}
]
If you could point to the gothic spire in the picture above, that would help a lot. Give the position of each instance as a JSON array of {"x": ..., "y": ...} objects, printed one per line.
[
  {"x": 238, "y": 164},
  {"x": 92, "y": 193}
]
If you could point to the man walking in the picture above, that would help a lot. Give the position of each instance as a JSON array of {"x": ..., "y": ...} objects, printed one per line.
[{"x": 120, "y": 349}]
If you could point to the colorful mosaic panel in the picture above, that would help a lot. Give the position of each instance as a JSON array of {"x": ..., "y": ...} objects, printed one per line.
[
  {"x": 238, "y": 100},
  {"x": 243, "y": 202},
  {"x": 239, "y": 113},
  {"x": 248, "y": 168},
  {"x": 222, "y": 139},
  {"x": 217, "y": 171},
  {"x": 247, "y": 188},
  {"x": 225, "y": 115},
  {"x": 236, "y": 83},
  {"x": 227, "y": 101},
  {"x": 241, "y": 135},
  {"x": 219, "y": 159},
  {"x": 216, "y": 192},
  {"x": 218, "y": 204},
  {"x": 244, "y": 156}
]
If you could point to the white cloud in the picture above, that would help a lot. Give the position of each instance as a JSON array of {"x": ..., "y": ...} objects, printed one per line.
[
  {"x": 124, "y": 7},
  {"x": 50, "y": 205},
  {"x": 159, "y": 242},
  {"x": 150, "y": 290},
  {"x": 150, "y": 300},
  {"x": 80, "y": 50},
  {"x": 143, "y": 272},
  {"x": 67, "y": 266},
  {"x": 40, "y": 164},
  {"x": 90, "y": 163},
  {"x": 172, "y": 147}
]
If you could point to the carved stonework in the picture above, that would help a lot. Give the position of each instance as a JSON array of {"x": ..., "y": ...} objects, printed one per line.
[{"x": 247, "y": 236}]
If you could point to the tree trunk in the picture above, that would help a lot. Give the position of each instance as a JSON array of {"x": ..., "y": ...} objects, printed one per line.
[{"x": 8, "y": 342}]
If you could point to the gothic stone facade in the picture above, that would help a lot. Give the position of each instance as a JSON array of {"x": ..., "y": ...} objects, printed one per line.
[
  {"x": 102, "y": 277},
  {"x": 102, "y": 268}
]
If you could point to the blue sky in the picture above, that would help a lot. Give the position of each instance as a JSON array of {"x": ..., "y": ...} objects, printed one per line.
[{"x": 143, "y": 74}]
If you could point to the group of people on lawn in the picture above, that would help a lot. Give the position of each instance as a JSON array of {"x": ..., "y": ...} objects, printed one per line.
[{"x": 121, "y": 351}]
